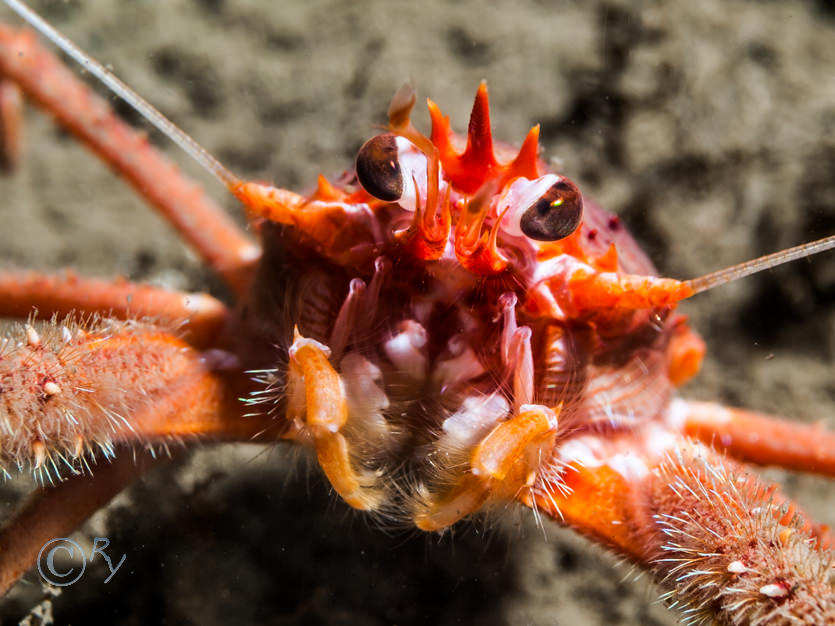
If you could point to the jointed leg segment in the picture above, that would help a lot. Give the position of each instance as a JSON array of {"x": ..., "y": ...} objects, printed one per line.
[
  {"x": 200, "y": 316},
  {"x": 758, "y": 438},
  {"x": 70, "y": 393}
]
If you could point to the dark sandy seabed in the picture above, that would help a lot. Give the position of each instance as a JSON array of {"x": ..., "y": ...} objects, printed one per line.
[{"x": 708, "y": 127}]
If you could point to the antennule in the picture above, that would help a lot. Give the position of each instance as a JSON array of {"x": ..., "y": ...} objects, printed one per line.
[
  {"x": 720, "y": 277},
  {"x": 142, "y": 106}
]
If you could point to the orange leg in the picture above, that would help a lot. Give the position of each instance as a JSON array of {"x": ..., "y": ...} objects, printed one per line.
[
  {"x": 23, "y": 292},
  {"x": 758, "y": 438},
  {"x": 11, "y": 124},
  {"x": 200, "y": 222},
  {"x": 71, "y": 395},
  {"x": 72, "y": 390},
  {"x": 728, "y": 549}
]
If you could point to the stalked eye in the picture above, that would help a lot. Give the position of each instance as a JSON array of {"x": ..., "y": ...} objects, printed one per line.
[
  {"x": 378, "y": 168},
  {"x": 547, "y": 208},
  {"x": 555, "y": 214}
]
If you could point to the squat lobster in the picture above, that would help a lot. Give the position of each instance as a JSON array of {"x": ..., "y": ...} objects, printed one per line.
[{"x": 462, "y": 338}]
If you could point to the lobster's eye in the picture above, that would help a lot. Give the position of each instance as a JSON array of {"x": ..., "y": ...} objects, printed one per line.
[
  {"x": 378, "y": 168},
  {"x": 555, "y": 214}
]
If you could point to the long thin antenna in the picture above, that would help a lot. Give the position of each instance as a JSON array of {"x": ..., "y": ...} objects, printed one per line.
[
  {"x": 720, "y": 277},
  {"x": 142, "y": 106}
]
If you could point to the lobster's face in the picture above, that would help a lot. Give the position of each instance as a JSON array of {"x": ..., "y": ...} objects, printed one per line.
[{"x": 435, "y": 279}]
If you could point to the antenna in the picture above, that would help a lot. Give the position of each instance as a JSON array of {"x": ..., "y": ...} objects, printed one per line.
[
  {"x": 142, "y": 106},
  {"x": 720, "y": 277}
]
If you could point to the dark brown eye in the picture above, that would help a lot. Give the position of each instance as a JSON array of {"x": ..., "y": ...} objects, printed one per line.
[
  {"x": 378, "y": 168},
  {"x": 556, "y": 214}
]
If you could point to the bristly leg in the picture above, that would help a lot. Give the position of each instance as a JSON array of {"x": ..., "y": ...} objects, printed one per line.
[
  {"x": 726, "y": 548},
  {"x": 735, "y": 551},
  {"x": 73, "y": 390}
]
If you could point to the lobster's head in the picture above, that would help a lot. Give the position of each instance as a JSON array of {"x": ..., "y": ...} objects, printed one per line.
[
  {"x": 490, "y": 216},
  {"x": 452, "y": 283}
]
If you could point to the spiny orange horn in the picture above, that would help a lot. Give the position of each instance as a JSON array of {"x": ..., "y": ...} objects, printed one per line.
[
  {"x": 526, "y": 162},
  {"x": 469, "y": 170},
  {"x": 479, "y": 152}
]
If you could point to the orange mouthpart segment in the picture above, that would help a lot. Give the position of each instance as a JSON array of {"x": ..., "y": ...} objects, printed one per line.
[{"x": 502, "y": 466}]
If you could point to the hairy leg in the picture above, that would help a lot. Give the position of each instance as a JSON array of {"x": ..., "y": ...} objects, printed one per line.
[
  {"x": 72, "y": 395},
  {"x": 725, "y": 547}
]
